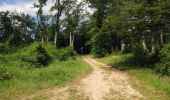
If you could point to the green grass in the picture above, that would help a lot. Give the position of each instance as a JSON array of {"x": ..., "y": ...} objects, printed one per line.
[
  {"x": 145, "y": 80},
  {"x": 26, "y": 79}
]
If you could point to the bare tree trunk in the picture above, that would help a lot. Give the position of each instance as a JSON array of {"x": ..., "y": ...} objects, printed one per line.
[
  {"x": 57, "y": 24},
  {"x": 70, "y": 39},
  {"x": 153, "y": 49},
  {"x": 144, "y": 44},
  {"x": 122, "y": 46},
  {"x": 55, "y": 39},
  {"x": 58, "y": 30},
  {"x": 161, "y": 38},
  {"x": 73, "y": 41}
]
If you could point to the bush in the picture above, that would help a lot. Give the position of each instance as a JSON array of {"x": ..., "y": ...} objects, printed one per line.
[
  {"x": 163, "y": 66},
  {"x": 51, "y": 50},
  {"x": 140, "y": 55},
  {"x": 5, "y": 75},
  {"x": 41, "y": 57},
  {"x": 60, "y": 54},
  {"x": 34, "y": 54},
  {"x": 3, "y": 49},
  {"x": 65, "y": 53},
  {"x": 37, "y": 56},
  {"x": 101, "y": 44},
  {"x": 163, "y": 69}
]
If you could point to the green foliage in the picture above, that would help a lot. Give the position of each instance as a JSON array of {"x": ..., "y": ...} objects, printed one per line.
[
  {"x": 101, "y": 43},
  {"x": 16, "y": 28},
  {"x": 62, "y": 54},
  {"x": 21, "y": 79},
  {"x": 51, "y": 50},
  {"x": 163, "y": 67},
  {"x": 3, "y": 49},
  {"x": 21, "y": 71},
  {"x": 34, "y": 54},
  {"x": 39, "y": 55},
  {"x": 140, "y": 55},
  {"x": 65, "y": 53},
  {"x": 5, "y": 75},
  {"x": 42, "y": 58},
  {"x": 144, "y": 78}
]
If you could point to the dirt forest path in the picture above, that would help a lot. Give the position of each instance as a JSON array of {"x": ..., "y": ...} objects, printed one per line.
[
  {"x": 102, "y": 84},
  {"x": 105, "y": 83}
]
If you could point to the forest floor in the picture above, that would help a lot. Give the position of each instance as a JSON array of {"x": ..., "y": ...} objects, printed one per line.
[{"x": 103, "y": 83}]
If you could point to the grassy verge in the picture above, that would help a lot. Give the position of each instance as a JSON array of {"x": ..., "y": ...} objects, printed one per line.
[
  {"x": 145, "y": 80},
  {"x": 26, "y": 79}
]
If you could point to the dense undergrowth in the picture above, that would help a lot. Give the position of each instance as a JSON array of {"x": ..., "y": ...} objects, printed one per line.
[
  {"x": 146, "y": 79},
  {"x": 163, "y": 65},
  {"x": 37, "y": 66}
]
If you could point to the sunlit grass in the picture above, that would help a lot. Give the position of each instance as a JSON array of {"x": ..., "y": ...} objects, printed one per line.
[{"x": 27, "y": 79}]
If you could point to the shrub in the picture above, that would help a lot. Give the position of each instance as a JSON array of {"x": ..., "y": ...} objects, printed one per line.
[
  {"x": 3, "y": 49},
  {"x": 140, "y": 55},
  {"x": 51, "y": 50},
  {"x": 5, "y": 75},
  {"x": 163, "y": 69},
  {"x": 34, "y": 54},
  {"x": 101, "y": 44},
  {"x": 163, "y": 66},
  {"x": 65, "y": 53},
  {"x": 41, "y": 56},
  {"x": 62, "y": 54},
  {"x": 2, "y": 58}
]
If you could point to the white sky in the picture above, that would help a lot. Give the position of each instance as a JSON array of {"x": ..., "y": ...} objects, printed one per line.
[{"x": 25, "y": 6}]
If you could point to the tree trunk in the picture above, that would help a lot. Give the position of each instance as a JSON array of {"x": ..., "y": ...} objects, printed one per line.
[
  {"x": 58, "y": 30},
  {"x": 57, "y": 24},
  {"x": 144, "y": 44},
  {"x": 122, "y": 46},
  {"x": 153, "y": 49},
  {"x": 161, "y": 38},
  {"x": 55, "y": 39},
  {"x": 70, "y": 39},
  {"x": 73, "y": 41}
]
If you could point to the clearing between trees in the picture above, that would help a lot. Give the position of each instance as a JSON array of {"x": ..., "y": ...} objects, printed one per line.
[{"x": 102, "y": 83}]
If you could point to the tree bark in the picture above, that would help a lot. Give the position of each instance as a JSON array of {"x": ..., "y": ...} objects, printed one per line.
[
  {"x": 73, "y": 41},
  {"x": 57, "y": 23},
  {"x": 70, "y": 39},
  {"x": 153, "y": 49},
  {"x": 161, "y": 38},
  {"x": 122, "y": 46},
  {"x": 55, "y": 39},
  {"x": 144, "y": 44}
]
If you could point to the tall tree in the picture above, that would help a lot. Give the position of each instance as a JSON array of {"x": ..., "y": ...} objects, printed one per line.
[
  {"x": 59, "y": 6},
  {"x": 100, "y": 13},
  {"x": 40, "y": 5},
  {"x": 74, "y": 17},
  {"x": 16, "y": 28}
]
